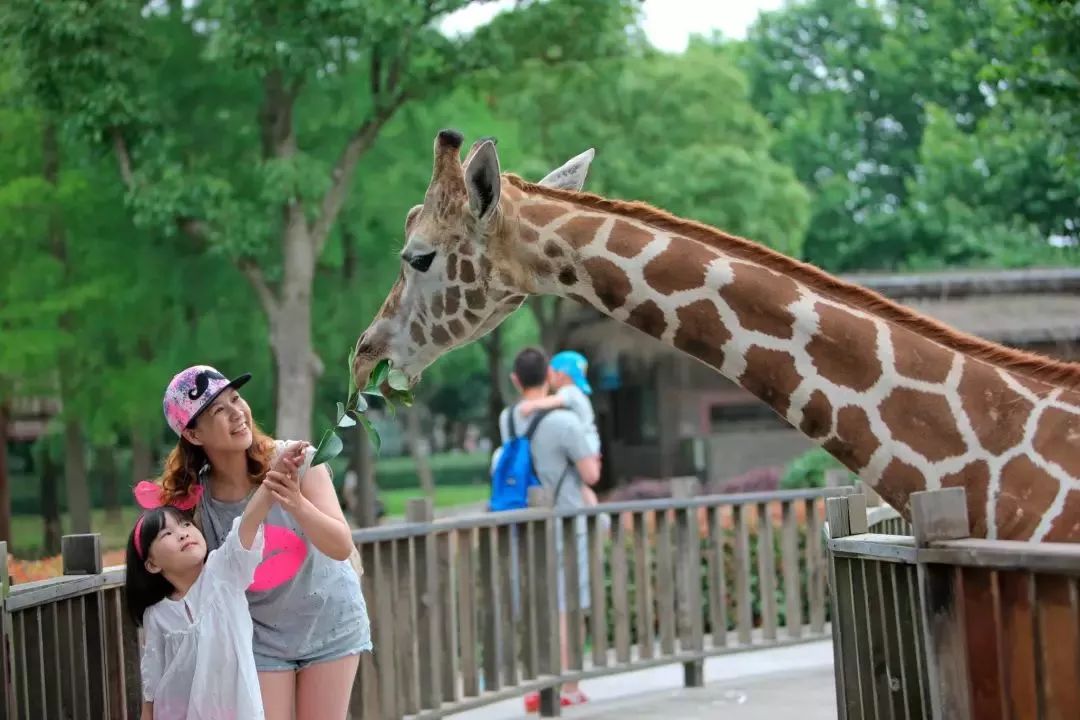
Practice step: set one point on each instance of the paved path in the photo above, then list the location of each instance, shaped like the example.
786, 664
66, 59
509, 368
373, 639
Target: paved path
776, 684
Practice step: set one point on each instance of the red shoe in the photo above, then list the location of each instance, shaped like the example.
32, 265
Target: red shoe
532, 702
574, 698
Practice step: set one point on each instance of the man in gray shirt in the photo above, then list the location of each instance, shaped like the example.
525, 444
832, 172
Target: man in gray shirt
564, 463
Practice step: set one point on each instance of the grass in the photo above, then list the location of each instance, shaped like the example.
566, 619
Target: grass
28, 530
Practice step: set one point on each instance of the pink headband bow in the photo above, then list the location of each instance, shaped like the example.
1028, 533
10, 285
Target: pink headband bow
148, 496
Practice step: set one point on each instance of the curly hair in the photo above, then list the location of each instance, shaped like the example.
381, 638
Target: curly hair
187, 459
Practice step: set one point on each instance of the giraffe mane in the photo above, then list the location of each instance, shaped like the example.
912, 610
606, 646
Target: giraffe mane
1032, 365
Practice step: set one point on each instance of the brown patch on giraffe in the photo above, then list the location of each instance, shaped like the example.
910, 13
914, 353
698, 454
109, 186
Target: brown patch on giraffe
416, 331
471, 317
510, 192
451, 267
567, 276
771, 376
835, 348
437, 306
681, 266
456, 328
1057, 439
924, 421
540, 266
506, 278
920, 359
453, 299
609, 281
439, 335
701, 333
760, 298
552, 249
628, 240
527, 234
1066, 526
817, 416
1025, 495
897, 482
975, 479
1040, 389
466, 248
649, 318
474, 298
485, 266
997, 412
581, 230
854, 441
468, 273
543, 213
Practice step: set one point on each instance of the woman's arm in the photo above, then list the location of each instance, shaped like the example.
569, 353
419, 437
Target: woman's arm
315, 506
254, 515
147, 711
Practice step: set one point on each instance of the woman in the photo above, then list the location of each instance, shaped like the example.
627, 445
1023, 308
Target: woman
310, 620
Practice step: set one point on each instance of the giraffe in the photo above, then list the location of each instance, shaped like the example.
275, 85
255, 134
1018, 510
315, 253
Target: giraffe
903, 401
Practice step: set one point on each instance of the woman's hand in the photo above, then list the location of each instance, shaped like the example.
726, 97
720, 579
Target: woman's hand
285, 487
291, 458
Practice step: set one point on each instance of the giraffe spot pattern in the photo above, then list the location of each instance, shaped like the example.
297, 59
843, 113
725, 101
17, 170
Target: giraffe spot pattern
474, 298
466, 248
817, 416
471, 318
567, 276
854, 442
1066, 526
581, 230
649, 318
437, 306
759, 298
456, 328
416, 331
468, 273
485, 266
543, 213
701, 332
439, 335
453, 299
628, 240
997, 412
831, 349
1025, 495
1057, 439
681, 266
552, 249
898, 481
920, 359
975, 479
527, 234
610, 282
1040, 389
451, 267
771, 376
924, 421
540, 267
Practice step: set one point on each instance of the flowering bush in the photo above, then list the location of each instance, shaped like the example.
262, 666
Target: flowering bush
24, 571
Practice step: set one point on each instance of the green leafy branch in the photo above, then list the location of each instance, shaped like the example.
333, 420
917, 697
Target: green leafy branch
354, 409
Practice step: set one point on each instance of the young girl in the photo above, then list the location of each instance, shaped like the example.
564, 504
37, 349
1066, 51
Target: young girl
197, 660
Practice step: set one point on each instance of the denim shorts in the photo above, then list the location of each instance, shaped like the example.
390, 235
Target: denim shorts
349, 645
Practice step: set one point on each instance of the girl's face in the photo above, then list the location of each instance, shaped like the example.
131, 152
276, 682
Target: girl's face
224, 426
177, 548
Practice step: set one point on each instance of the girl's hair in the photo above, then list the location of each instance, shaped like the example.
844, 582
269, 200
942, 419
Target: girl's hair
142, 587
186, 460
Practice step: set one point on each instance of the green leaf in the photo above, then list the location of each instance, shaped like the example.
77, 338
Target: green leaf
358, 403
378, 375
346, 421
352, 380
340, 411
373, 434
329, 448
397, 380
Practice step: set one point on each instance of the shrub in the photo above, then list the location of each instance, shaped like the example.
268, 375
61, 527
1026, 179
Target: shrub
808, 470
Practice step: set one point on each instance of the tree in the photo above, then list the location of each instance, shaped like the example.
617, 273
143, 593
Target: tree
245, 134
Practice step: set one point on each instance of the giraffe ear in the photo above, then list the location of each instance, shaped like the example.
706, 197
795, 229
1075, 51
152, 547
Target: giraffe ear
571, 176
483, 182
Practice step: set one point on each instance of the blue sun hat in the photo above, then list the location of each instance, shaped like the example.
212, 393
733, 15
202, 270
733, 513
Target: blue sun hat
575, 366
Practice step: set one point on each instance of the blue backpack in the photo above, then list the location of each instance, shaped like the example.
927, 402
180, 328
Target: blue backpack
514, 473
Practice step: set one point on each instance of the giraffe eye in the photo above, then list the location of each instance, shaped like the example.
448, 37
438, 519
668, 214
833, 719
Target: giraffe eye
421, 263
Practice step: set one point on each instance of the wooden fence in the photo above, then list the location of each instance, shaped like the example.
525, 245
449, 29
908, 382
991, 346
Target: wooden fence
465, 611
933, 624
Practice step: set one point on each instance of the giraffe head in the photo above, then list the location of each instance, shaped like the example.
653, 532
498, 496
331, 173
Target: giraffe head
463, 268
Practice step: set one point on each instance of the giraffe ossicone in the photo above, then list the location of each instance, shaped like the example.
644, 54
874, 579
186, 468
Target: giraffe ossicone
905, 402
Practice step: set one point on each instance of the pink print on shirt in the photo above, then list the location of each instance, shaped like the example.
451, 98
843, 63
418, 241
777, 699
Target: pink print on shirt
283, 554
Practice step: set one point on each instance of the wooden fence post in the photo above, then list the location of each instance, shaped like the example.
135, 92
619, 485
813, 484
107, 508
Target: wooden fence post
548, 641
688, 581
7, 689
81, 554
942, 515
846, 516
429, 615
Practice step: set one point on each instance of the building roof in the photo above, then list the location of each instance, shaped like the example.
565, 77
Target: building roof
1013, 307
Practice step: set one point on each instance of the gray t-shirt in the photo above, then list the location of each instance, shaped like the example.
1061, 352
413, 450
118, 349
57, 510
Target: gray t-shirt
303, 603
558, 444
579, 403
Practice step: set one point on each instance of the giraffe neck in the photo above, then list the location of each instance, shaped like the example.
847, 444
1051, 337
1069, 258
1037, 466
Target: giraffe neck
903, 412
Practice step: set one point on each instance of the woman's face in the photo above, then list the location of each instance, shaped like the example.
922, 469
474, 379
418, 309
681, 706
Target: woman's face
224, 426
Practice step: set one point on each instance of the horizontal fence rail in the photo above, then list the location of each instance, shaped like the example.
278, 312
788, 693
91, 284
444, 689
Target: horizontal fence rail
933, 624
467, 611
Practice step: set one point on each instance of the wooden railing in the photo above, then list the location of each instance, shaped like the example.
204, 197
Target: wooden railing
465, 611
938, 625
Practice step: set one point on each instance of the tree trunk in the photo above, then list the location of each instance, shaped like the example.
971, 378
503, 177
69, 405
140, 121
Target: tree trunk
5, 486
78, 495
362, 462
298, 366
50, 502
106, 474
493, 348
418, 448
142, 457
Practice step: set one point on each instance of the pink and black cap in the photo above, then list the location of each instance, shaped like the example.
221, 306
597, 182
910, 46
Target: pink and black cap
193, 390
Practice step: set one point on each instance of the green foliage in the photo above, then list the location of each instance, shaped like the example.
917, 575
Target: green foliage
808, 470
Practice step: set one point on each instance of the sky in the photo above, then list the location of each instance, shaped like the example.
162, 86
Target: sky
668, 23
